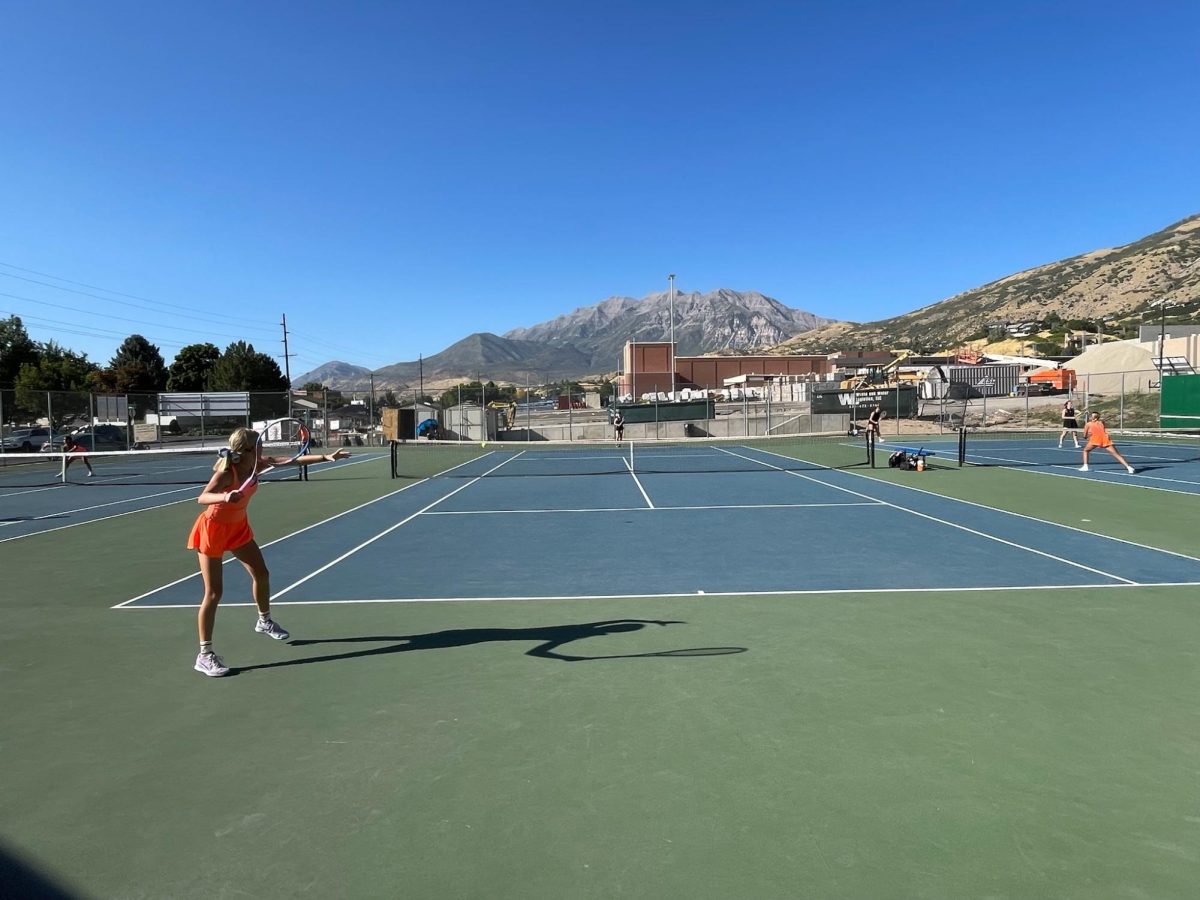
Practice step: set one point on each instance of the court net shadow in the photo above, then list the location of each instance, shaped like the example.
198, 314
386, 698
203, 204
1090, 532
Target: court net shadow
549, 639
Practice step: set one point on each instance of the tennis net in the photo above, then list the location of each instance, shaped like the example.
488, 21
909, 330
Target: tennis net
192, 465
459, 459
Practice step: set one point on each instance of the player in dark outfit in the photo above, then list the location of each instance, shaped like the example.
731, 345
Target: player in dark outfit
1070, 425
873, 422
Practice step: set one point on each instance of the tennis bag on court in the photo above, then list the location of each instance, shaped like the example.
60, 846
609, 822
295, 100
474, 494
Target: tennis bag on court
898, 460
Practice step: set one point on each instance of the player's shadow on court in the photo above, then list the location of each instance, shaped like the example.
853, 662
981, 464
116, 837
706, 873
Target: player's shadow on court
549, 639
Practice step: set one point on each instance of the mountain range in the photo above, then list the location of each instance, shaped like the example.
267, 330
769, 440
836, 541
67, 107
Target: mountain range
589, 341
1129, 283
1125, 283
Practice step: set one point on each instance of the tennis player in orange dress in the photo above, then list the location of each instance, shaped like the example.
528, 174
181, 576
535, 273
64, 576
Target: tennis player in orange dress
77, 452
1097, 437
225, 526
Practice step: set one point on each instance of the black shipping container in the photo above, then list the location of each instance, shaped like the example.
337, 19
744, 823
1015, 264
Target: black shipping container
994, 380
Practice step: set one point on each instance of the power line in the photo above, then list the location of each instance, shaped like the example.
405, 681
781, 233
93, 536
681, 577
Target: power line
338, 349
183, 309
93, 312
67, 328
162, 307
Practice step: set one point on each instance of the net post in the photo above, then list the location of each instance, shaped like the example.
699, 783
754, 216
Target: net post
870, 448
962, 445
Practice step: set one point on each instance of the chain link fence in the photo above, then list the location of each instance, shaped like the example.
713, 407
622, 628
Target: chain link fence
127, 421
31, 419
1125, 400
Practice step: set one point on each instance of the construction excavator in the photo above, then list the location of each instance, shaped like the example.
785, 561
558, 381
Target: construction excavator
509, 409
882, 376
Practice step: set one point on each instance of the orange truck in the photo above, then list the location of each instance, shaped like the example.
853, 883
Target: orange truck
1059, 380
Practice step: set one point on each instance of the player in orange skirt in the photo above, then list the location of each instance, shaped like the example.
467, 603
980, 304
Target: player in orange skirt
77, 452
1097, 438
225, 526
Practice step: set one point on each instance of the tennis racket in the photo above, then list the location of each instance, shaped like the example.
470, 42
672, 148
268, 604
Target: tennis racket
289, 437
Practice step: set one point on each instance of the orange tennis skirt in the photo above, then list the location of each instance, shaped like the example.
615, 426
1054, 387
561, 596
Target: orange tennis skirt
213, 538
222, 527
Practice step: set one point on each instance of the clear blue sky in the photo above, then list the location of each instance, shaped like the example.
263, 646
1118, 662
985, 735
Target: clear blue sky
395, 176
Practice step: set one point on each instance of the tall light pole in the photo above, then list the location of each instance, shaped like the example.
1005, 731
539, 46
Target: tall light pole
671, 280
371, 410
1162, 338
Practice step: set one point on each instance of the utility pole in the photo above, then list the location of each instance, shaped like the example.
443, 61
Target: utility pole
371, 408
671, 279
1162, 338
421, 363
287, 366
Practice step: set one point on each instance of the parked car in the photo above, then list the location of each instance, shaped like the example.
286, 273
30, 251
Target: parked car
99, 438
27, 440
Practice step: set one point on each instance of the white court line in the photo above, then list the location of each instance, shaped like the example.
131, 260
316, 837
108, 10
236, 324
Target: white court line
1008, 512
870, 501
196, 574
83, 509
58, 486
190, 489
692, 595
390, 529
1029, 468
130, 512
628, 509
955, 525
638, 482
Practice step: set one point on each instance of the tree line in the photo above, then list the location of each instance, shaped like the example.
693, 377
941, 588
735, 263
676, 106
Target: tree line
136, 367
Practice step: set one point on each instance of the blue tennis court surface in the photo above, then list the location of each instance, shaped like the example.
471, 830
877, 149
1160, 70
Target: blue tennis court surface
771, 529
1161, 460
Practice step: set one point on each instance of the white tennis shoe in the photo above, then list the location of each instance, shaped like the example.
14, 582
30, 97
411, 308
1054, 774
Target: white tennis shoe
210, 664
271, 629
1084, 468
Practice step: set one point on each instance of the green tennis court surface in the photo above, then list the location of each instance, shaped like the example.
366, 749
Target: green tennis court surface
992, 735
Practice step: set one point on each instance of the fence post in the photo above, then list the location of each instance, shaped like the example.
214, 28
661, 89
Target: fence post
1121, 417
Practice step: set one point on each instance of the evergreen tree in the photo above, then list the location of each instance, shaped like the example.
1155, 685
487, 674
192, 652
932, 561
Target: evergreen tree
60, 372
16, 350
192, 368
137, 366
242, 368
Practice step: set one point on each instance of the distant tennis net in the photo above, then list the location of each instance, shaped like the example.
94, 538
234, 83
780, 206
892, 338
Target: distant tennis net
455, 459
125, 467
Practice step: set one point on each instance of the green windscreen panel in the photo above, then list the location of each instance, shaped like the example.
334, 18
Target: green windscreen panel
679, 411
900, 402
1180, 401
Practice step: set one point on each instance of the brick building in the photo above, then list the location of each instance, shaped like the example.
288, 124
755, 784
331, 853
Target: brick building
647, 367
